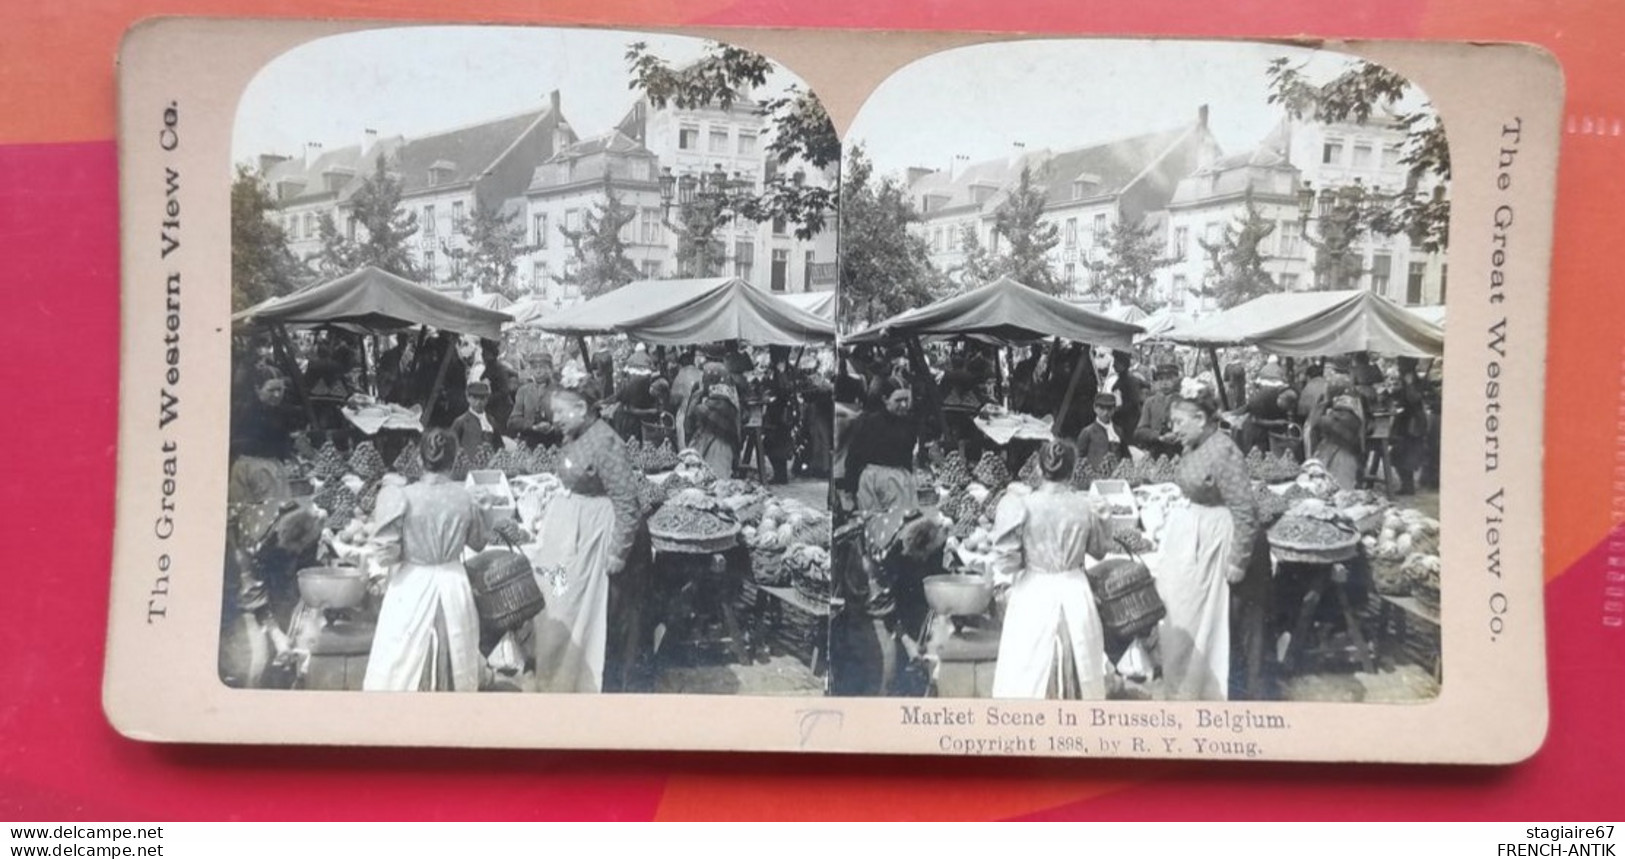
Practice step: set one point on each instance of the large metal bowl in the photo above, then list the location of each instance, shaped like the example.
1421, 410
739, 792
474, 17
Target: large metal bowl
332, 587
958, 595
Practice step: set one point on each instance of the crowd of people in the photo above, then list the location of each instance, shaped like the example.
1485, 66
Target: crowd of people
724, 401
1213, 568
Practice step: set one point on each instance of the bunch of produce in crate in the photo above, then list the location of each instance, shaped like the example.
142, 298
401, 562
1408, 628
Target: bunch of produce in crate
991, 472
808, 569
409, 464
1131, 539
542, 459
329, 464
1420, 573
952, 471
366, 462
510, 462
692, 521
652, 459
1272, 467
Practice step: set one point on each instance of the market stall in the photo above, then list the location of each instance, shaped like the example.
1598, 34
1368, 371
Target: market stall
710, 556
821, 304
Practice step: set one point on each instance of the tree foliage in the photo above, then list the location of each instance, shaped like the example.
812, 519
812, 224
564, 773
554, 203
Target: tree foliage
1131, 255
1422, 210
885, 269
599, 262
1236, 272
802, 131
1028, 238
261, 265
493, 243
376, 208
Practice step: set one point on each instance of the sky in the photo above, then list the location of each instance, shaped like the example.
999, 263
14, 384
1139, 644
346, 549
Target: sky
983, 100
418, 80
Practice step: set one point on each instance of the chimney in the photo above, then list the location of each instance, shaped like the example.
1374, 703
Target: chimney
553, 102
1201, 116
313, 151
369, 139
915, 174
268, 161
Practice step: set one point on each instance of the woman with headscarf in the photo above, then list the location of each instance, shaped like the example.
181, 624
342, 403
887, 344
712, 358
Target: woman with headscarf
713, 422
1206, 549
1052, 644
428, 634
1340, 440
596, 549
880, 460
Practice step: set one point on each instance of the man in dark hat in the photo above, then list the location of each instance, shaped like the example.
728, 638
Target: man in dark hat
1100, 439
475, 427
1155, 433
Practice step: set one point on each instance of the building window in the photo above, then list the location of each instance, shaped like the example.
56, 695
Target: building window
781, 270
310, 225
651, 269
806, 271
350, 228
572, 220
1391, 156
457, 215
1182, 241
540, 222
1289, 282
429, 265
1181, 286
1363, 155
651, 227
1211, 233
1071, 235
1382, 269
428, 222
1290, 245
688, 137
1413, 285
719, 140
541, 280
1331, 152
778, 226
747, 143
744, 260
1070, 275
1100, 225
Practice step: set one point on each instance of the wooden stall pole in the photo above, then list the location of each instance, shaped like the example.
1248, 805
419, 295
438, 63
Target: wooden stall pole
284, 351
922, 371
439, 380
1218, 378
1071, 392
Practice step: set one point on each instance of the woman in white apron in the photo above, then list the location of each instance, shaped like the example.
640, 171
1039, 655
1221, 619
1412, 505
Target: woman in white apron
589, 538
1052, 644
1205, 550
428, 636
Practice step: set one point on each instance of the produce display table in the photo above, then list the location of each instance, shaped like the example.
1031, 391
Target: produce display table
767, 607
1394, 620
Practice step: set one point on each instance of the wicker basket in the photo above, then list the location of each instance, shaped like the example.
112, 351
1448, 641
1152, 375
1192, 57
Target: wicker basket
1129, 603
1329, 553
506, 594
689, 544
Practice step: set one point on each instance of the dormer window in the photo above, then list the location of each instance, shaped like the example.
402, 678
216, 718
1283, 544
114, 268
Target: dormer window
441, 172
1084, 184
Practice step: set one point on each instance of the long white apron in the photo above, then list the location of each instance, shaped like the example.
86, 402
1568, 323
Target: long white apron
427, 620
1047, 612
571, 632
1195, 636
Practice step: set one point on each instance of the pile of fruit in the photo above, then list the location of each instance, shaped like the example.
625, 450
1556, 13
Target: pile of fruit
807, 567
1134, 472
952, 471
1271, 468
692, 470
366, 462
1272, 505
689, 522
786, 524
652, 459
338, 502
1131, 539
410, 462
1297, 530
1404, 533
991, 472
479, 457
329, 465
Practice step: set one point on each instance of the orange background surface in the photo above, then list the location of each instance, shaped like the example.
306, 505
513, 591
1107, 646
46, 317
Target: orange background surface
58, 223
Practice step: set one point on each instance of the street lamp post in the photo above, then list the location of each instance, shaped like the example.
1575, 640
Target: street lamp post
1345, 215
705, 202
